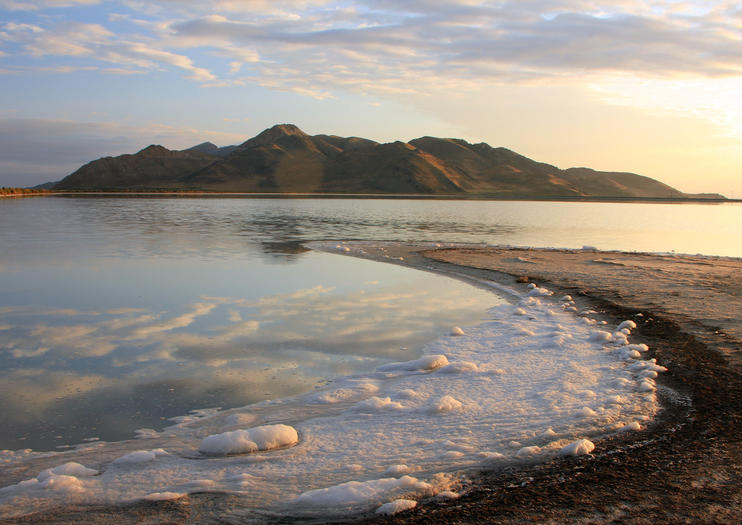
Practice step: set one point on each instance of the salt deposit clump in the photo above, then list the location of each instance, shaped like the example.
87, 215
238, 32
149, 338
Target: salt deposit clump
626, 324
527, 452
360, 492
398, 505
163, 496
266, 437
425, 363
577, 448
68, 469
351, 390
631, 427
586, 412
458, 367
446, 404
397, 470
376, 404
539, 292
457, 331
61, 483
601, 336
138, 456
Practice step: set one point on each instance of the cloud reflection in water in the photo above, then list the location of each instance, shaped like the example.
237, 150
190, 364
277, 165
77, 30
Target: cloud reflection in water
77, 374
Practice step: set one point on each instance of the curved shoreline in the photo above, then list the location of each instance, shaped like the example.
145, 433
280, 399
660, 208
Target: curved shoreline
684, 468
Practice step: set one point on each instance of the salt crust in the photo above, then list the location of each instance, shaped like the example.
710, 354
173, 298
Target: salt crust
243, 441
358, 492
139, 456
577, 448
398, 505
425, 363
163, 496
397, 470
487, 397
68, 469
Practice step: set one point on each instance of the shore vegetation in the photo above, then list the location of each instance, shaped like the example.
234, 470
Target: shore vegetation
21, 192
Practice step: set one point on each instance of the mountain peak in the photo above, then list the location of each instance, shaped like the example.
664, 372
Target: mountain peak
204, 147
275, 133
287, 129
153, 150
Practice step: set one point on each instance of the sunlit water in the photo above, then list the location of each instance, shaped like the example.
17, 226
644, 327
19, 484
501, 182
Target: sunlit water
119, 313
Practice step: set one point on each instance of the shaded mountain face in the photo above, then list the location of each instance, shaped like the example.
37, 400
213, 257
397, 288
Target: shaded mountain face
284, 159
154, 167
212, 149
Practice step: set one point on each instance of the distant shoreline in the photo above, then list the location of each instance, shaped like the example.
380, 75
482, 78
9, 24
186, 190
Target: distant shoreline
23, 192
405, 196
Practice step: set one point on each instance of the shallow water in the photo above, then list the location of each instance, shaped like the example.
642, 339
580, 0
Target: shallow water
119, 314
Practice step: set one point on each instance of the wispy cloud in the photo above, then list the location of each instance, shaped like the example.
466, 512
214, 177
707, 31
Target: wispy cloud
74, 39
38, 5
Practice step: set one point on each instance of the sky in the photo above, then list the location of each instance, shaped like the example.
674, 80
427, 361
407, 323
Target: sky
645, 86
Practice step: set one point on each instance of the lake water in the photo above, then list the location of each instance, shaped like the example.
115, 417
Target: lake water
119, 314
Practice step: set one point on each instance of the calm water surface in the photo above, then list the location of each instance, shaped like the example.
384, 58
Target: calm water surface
119, 313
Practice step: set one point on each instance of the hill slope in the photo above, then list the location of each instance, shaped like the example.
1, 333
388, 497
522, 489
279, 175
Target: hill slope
154, 167
284, 159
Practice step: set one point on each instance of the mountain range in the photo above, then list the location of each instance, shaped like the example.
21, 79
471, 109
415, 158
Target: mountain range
284, 159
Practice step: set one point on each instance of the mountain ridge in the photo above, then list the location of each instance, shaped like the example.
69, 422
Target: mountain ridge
285, 159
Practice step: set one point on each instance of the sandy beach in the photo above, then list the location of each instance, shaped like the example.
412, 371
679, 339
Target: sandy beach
683, 468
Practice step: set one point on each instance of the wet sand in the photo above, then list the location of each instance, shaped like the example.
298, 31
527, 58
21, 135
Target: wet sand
684, 468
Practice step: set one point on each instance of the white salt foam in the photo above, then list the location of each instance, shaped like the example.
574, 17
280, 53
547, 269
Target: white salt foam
577, 448
396, 506
243, 441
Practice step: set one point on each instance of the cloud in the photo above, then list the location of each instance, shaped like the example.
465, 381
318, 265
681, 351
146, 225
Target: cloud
38, 5
93, 41
315, 47
181, 61
393, 49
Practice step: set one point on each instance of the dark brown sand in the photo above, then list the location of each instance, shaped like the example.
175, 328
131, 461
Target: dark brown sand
685, 468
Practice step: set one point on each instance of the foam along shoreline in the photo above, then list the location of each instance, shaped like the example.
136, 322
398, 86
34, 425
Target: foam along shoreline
685, 467
538, 379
